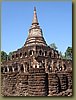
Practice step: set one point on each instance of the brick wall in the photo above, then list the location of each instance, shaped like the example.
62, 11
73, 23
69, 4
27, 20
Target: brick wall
35, 83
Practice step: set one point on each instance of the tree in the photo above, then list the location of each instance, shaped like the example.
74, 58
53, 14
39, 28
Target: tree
9, 55
53, 45
3, 56
68, 53
62, 55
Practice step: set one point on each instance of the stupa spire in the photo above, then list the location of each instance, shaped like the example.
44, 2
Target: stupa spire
35, 20
35, 35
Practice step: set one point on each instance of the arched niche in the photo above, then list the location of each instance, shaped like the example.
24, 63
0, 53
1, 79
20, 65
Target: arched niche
16, 55
22, 68
31, 52
15, 67
25, 54
10, 69
40, 52
54, 54
5, 69
12, 56
45, 53
20, 55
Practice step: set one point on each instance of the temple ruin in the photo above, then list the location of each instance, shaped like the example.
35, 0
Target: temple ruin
36, 69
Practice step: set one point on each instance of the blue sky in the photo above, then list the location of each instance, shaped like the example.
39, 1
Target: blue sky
55, 19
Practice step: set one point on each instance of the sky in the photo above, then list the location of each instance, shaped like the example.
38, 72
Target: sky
55, 20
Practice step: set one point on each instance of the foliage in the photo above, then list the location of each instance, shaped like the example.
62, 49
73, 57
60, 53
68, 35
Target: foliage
61, 55
68, 53
3, 56
9, 55
53, 45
